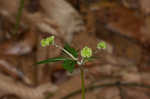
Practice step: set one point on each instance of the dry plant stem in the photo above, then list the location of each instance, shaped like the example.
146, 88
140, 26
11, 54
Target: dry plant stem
18, 17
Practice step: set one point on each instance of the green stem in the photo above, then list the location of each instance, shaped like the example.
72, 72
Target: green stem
18, 17
82, 83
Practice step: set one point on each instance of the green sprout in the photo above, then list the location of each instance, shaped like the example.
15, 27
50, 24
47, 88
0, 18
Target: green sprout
101, 45
72, 58
86, 52
47, 41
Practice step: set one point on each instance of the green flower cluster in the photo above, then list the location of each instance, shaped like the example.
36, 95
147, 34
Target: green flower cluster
101, 45
47, 41
86, 52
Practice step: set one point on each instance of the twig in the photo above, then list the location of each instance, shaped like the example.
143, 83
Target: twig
91, 88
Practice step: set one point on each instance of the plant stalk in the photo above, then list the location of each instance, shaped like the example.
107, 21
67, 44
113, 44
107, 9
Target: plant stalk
18, 17
82, 83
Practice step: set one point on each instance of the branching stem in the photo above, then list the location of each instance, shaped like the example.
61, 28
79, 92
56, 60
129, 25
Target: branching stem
66, 52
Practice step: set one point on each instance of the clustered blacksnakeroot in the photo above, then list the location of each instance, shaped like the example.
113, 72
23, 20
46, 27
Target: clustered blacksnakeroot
86, 52
69, 63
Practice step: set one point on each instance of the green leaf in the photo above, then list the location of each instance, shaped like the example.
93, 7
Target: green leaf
55, 59
71, 50
69, 65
